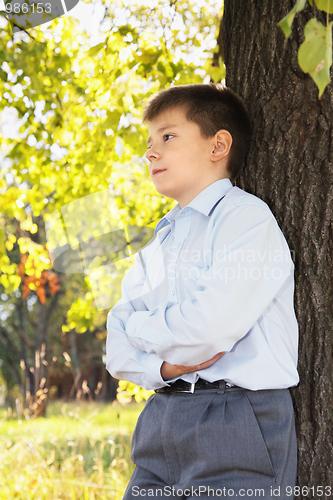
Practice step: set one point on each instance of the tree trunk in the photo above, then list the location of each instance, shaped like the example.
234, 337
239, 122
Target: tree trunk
290, 166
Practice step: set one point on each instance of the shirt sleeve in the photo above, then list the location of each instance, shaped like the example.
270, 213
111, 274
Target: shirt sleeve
123, 360
250, 264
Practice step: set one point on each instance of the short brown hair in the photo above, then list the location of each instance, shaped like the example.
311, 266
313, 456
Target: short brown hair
212, 107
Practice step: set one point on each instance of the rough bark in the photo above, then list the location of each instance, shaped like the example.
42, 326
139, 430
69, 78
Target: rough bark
290, 166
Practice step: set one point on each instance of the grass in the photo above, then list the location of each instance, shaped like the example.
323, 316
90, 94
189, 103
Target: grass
77, 452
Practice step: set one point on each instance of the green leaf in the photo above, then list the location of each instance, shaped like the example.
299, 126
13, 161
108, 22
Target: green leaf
315, 53
2, 242
326, 5
112, 120
3, 75
311, 3
125, 29
99, 167
166, 69
175, 68
95, 49
287, 21
217, 73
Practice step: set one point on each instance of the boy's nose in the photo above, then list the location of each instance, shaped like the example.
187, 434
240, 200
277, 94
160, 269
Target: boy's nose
152, 154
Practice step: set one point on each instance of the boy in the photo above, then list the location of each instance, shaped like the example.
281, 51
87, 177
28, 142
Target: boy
206, 317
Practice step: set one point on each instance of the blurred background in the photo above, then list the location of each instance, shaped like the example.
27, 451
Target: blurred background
76, 203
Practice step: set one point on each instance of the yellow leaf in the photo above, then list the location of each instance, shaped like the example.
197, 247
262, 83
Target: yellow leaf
26, 224
62, 136
9, 246
4, 280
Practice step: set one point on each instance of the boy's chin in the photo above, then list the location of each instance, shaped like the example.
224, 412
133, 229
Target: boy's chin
166, 193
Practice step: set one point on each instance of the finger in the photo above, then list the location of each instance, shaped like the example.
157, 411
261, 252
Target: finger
217, 356
209, 363
202, 366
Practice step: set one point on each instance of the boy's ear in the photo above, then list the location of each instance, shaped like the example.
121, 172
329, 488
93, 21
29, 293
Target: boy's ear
222, 142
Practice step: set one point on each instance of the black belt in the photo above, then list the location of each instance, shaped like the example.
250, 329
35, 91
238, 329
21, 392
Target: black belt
182, 386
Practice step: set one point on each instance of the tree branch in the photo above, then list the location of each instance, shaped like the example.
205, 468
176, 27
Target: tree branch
10, 365
10, 344
21, 333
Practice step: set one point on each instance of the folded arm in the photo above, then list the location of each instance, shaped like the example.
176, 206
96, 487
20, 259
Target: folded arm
134, 365
169, 371
231, 294
126, 362
123, 360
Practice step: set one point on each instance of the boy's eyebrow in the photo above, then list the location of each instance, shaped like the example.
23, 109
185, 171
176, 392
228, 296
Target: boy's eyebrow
161, 130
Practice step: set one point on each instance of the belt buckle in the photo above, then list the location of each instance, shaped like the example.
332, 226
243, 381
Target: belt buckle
190, 391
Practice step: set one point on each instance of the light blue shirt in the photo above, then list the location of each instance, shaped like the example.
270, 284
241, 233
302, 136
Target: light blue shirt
216, 277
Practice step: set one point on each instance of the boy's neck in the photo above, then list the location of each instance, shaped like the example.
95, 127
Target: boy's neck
188, 197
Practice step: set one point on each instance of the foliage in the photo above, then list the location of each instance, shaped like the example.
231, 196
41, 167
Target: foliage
127, 390
92, 101
315, 53
79, 107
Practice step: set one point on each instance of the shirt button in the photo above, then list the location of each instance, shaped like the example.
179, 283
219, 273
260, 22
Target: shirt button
173, 291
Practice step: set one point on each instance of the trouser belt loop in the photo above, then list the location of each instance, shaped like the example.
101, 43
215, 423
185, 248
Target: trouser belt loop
221, 388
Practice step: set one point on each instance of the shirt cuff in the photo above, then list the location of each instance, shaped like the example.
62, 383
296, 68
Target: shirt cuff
136, 322
153, 373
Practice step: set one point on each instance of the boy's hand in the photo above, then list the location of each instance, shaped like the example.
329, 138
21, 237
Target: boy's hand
169, 371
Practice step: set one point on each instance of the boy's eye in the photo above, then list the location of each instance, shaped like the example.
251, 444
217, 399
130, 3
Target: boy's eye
167, 135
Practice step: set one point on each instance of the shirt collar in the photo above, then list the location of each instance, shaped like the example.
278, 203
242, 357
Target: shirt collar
203, 202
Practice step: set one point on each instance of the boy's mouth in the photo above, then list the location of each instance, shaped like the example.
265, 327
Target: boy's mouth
157, 171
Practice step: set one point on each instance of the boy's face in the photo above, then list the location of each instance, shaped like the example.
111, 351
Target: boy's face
181, 161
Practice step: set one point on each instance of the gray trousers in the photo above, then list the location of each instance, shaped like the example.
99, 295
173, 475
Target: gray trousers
239, 443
